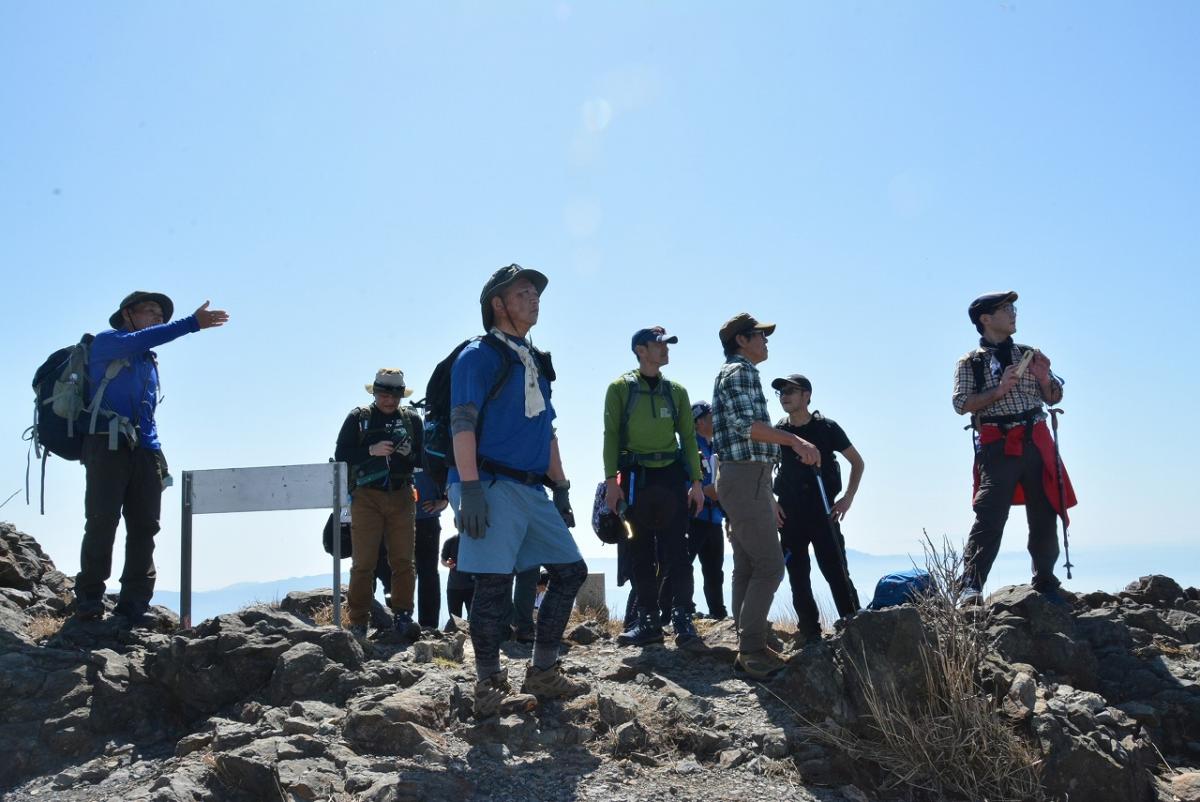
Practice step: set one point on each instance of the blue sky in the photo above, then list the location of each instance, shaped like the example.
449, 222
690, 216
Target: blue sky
343, 179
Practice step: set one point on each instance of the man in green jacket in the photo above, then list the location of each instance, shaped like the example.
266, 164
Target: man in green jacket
650, 459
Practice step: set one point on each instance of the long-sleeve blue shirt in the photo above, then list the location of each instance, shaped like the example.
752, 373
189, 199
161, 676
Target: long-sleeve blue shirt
133, 392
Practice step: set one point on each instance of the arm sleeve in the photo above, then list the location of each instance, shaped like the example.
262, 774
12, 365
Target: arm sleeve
735, 394
471, 376
348, 450
119, 344
837, 436
964, 384
614, 411
686, 427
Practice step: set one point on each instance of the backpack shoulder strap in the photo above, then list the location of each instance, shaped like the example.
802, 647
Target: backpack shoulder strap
364, 420
669, 386
506, 355
977, 370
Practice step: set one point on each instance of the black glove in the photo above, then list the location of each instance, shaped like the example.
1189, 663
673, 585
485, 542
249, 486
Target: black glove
472, 512
562, 502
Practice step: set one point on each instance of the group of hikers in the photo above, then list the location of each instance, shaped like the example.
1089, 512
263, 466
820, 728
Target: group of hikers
679, 479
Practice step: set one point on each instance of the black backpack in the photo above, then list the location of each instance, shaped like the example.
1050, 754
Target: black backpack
61, 413
438, 455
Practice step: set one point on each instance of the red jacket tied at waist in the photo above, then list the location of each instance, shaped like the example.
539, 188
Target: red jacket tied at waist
1014, 446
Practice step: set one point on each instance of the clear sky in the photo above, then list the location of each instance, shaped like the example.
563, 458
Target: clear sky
342, 178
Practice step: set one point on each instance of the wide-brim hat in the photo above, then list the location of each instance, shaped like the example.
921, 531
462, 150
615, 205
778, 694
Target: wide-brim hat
988, 303
499, 281
743, 323
389, 380
134, 298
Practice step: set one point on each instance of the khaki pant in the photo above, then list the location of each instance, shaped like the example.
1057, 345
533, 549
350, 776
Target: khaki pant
745, 492
374, 516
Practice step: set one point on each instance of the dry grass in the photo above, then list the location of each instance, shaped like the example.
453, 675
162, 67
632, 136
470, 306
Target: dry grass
949, 740
41, 627
323, 616
609, 620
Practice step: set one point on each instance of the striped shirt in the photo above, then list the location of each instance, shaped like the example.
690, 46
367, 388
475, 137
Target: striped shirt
1025, 395
738, 402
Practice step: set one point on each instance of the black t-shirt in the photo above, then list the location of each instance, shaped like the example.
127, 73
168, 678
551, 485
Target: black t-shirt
794, 476
457, 579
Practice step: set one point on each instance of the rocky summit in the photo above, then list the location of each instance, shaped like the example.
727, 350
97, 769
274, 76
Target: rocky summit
1097, 700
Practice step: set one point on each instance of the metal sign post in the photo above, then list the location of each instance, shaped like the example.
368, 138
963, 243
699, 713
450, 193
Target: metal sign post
283, 487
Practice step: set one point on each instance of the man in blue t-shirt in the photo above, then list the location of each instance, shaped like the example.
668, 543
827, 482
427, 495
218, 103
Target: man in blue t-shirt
126, 471
505, 451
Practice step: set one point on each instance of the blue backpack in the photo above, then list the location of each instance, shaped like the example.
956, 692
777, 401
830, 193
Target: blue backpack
901, 587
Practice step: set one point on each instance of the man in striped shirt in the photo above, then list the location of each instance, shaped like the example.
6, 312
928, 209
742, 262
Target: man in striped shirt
747, 447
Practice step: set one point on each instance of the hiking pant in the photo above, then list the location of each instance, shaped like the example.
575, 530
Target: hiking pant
805, 522
998, 478
520, 608
375, 516
745, 491
659, 551
705, 540
458, 601
493, 599
122, 482
429, 581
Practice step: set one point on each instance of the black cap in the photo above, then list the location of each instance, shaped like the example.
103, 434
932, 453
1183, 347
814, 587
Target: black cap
501, 279
989, 303
136, 297
796, 379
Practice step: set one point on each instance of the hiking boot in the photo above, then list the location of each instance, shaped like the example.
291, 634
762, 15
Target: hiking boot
359, 631
495, 695
804, 639
645, 630
552, 683
404, 625
686, 636
761, 665
89, 613
1054, 596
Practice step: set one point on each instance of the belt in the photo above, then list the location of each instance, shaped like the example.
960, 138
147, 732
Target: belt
524, 477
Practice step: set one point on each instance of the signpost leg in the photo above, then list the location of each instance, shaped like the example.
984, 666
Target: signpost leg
338, 484
185, 558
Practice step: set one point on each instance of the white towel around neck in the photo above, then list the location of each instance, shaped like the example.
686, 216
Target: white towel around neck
535, 403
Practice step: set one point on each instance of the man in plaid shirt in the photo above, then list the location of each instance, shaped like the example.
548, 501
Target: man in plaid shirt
1014, 460
747, 447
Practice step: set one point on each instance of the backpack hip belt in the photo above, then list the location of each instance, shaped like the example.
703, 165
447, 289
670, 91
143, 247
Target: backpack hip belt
524, 477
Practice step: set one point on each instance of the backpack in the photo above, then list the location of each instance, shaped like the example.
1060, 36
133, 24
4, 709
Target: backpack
61, 413
608, 527
901, 587
438, 456
666, 389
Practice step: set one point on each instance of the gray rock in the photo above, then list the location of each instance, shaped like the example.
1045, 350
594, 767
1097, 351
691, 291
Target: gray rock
451, 648
303, 672
616, 707
584, 633
1156, 590
1185, 787
629, 736
395, 724
732, 758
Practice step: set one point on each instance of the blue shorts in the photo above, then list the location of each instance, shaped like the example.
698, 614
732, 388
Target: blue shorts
524, 531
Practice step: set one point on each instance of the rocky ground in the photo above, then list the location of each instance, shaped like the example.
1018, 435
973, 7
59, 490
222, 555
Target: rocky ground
265, 705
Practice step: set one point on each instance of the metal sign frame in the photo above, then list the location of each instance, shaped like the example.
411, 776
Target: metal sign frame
282, 487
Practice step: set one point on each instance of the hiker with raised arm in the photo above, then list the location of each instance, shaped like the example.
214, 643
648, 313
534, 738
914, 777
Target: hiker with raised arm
652, 465
125, 467
506, 456
802, 492
382, 445
748, 447
1005, 387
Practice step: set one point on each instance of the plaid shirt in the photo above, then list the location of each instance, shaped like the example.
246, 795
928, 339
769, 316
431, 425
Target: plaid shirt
1025, 395
738, 401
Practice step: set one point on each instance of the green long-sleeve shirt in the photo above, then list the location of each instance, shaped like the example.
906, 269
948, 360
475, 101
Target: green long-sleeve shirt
650, 428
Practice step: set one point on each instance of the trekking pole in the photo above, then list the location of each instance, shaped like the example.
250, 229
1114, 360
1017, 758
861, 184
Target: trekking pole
1062, 497
836, 541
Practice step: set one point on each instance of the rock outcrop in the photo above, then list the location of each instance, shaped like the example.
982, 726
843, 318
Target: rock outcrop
263, 704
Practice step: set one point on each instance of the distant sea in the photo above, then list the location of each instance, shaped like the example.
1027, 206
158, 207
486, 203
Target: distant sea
1108, 569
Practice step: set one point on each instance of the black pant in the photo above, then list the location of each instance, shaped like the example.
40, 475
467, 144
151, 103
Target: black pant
705, 540
659, 518
124, 482
458, 600
998, 478
805, 523
429, 582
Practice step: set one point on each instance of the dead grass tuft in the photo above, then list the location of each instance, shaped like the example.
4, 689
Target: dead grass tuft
41, 627
949, 740
323, 616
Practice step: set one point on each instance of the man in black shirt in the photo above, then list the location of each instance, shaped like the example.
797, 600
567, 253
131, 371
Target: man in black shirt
803, 510
382, 445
